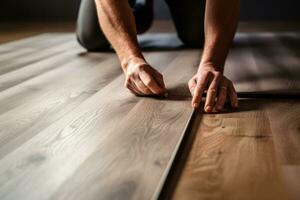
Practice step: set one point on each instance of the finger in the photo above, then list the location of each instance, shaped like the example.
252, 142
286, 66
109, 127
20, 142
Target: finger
199, 89
212, 93
160, 80
221, 96
134, 88
131, 87
151, 83
142, 87
233, 97
192, 85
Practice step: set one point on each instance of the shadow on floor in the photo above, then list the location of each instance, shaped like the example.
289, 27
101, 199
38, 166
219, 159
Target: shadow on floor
277, 55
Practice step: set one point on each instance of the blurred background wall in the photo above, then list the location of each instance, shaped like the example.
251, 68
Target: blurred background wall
66, 10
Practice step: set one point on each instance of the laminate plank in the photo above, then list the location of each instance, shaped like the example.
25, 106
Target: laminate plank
261, 62
252, 153
35, 69
26, 119
10, 54
23, 43
70, 136
37, 87
278, 67
285, 125
20, 94
85, 130
232, 159
38, 42
161, 41
133, 162
240, 64
45, 107
17, 63
37, 55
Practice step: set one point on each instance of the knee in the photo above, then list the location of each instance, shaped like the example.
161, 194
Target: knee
192, 38
143, 14
143, 25
91, 41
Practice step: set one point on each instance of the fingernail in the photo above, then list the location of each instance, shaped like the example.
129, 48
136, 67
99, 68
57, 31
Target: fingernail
195, 105
208, 108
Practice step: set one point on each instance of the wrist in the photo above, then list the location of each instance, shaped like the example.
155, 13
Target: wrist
211, 65
126, 62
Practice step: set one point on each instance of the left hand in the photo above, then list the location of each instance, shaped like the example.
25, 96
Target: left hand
218, 89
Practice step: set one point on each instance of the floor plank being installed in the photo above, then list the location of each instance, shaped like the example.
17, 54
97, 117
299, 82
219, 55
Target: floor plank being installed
69, 129
253, 153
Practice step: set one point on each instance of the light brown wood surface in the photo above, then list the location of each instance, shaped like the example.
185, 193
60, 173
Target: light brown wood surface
69, 129
242, 155
253, 153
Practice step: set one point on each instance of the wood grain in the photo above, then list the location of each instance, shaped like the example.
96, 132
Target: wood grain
70, 110
69, 129
285, 125
233, 157
253, 153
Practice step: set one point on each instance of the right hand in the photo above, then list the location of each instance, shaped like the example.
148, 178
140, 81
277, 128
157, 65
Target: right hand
142, 79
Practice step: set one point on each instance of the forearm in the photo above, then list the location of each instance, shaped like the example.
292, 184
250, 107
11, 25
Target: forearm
117, 22
221, 19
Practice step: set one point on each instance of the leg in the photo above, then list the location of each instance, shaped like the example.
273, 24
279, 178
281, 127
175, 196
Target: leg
188, 16
143, 14
89, 33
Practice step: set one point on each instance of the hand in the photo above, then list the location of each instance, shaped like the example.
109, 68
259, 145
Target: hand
218, 87
142, 79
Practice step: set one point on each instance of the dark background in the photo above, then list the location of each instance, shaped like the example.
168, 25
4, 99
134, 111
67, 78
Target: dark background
66, 10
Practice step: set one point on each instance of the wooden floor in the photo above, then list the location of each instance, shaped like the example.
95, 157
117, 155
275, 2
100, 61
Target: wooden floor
69, 129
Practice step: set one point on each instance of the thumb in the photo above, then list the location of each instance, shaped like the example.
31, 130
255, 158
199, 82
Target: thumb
192, 85
160, 80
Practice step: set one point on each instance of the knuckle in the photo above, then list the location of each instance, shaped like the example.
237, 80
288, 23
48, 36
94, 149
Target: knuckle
159, 75
158, 92
200, 86
212, 91
218, 73
127, 82
148, 82
206, 73
142, 67
127, 85
147, 91
218, 76
130, 75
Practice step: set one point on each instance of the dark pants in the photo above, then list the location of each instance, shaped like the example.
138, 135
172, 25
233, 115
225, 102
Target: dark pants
188, 17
